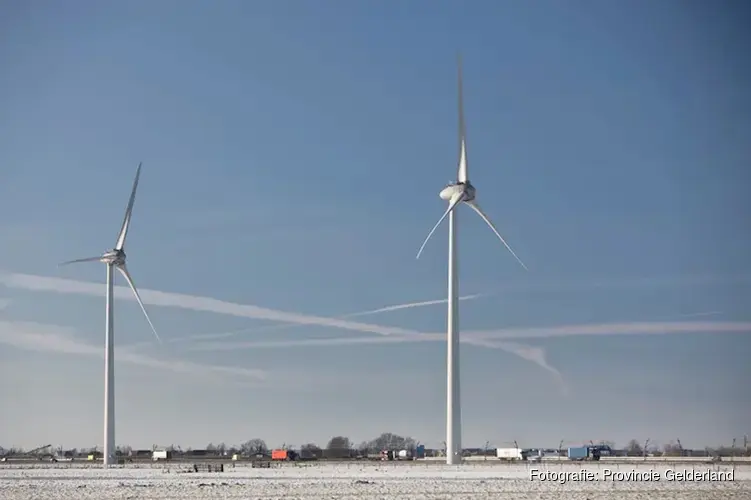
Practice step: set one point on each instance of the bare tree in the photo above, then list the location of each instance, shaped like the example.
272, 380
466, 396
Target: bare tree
672, 450
363, 449
254, 446
389, 441
634, 449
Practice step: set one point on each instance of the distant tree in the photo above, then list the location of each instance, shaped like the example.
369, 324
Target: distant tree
634, 449
312, 447
363, 448
672, 450
338, 443
311, 451
254, 447
389, 441
338, 447
221, 448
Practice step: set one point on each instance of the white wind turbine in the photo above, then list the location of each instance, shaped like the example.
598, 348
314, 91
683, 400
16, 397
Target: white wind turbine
115, 259
461, 191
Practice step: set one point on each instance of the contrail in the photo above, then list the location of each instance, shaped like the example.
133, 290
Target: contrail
285, 326
699, 314
411, 305
482, 337
643, 328
192, 302
197, 303
53, 338
534, 354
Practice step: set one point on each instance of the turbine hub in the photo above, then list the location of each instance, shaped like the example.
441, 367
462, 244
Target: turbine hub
458, 187
113, 257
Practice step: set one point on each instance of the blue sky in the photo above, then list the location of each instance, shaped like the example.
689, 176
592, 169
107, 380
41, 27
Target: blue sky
293, 154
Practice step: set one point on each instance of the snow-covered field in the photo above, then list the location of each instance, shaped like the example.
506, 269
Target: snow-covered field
366, 481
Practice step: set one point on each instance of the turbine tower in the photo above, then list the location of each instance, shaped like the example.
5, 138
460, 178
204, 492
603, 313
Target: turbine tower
461, 191
115, 259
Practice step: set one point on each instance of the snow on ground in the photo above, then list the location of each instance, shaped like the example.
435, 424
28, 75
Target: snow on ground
363, 481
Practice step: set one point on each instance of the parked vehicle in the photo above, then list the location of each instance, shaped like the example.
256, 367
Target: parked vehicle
161, 455
510, 454
283, 455
593, 453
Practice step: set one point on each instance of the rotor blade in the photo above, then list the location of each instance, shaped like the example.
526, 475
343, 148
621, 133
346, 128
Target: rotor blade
126, 221
462, 173
87, 259
455, 200
124, 271
479, 211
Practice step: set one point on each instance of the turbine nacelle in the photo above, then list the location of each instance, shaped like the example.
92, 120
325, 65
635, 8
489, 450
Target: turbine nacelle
116, 256
113, 257
456, 188
462, 191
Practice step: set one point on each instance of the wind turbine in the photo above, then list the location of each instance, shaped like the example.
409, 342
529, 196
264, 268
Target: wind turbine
115, 259
461, 191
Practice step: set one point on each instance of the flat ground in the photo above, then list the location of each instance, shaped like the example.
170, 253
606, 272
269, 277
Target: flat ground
363, 481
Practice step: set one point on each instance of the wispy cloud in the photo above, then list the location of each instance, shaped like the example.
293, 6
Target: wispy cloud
59, 339
208, 304
4, 303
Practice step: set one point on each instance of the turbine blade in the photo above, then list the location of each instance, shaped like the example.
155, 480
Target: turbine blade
479, 211
124, 271
126, 221
455, 200
462, 173
87, 259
